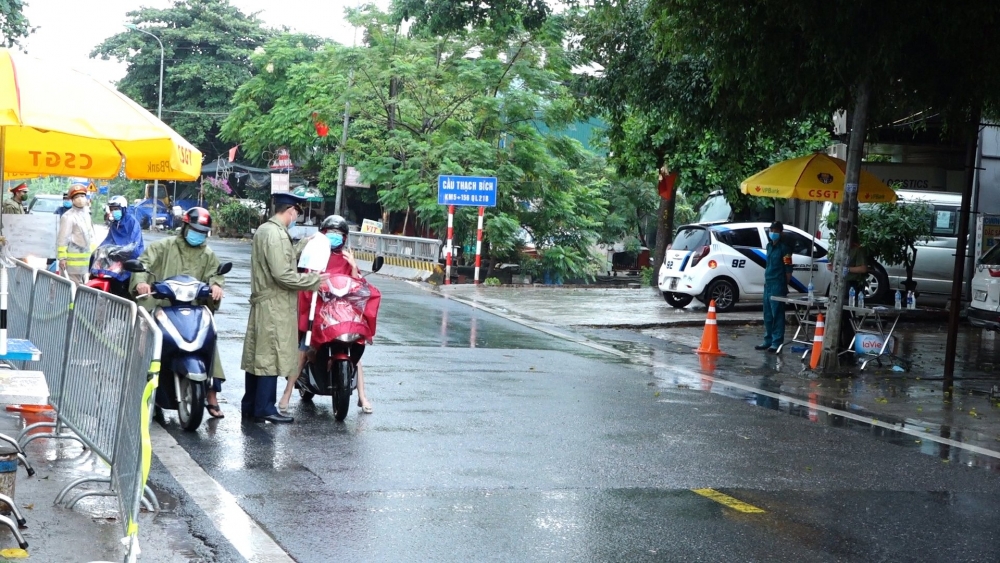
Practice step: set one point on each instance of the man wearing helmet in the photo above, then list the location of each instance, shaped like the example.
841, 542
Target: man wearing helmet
341, 261
123, 231
15, 205
186, 254
75, 240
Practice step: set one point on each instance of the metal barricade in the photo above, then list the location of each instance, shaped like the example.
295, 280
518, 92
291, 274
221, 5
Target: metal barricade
407, 252
22, 285
51, 314
133, 450
97, 359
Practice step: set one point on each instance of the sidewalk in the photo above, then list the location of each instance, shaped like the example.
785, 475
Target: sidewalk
639, 322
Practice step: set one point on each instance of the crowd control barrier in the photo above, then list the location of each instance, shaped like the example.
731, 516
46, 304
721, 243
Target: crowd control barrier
100, 358
406, 257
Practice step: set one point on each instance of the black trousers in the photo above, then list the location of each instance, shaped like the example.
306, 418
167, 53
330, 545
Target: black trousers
260, 396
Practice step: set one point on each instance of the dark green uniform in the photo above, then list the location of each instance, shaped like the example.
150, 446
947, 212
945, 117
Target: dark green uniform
779, 265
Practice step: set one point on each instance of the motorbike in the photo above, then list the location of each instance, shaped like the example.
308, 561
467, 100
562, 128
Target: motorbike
106, 267
189, 340
344, 323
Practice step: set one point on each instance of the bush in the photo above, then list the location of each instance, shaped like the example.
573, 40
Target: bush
647, 276
236, 219
492, 282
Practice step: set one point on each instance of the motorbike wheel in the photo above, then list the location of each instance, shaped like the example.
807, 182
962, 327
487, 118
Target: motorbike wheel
341, 403
342, 389
191, 406
305, 395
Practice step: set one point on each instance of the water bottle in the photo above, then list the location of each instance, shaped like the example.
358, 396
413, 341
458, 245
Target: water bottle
899, 301
861, 299
811, 289
850, 298
911, 301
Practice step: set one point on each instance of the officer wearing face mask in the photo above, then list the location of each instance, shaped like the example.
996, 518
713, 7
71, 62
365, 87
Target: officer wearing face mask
777, 275
75, 240
186, 254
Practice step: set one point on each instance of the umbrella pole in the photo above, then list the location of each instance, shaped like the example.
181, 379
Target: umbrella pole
3, 163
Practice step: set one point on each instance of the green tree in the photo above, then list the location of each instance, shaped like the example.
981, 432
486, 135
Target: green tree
444, 17
13, 25
454, 104
881, 61
207, 46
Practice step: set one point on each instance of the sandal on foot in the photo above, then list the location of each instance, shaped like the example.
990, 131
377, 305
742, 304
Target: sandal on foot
367, 409
215, 411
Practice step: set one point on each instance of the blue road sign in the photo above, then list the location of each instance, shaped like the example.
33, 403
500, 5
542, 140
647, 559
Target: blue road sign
473, 191
103, 190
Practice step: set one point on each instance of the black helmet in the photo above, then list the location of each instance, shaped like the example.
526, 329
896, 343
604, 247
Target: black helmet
199, 219
334, 223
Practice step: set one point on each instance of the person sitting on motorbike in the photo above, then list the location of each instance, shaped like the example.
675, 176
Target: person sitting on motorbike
123, 231
335, 229
186, 254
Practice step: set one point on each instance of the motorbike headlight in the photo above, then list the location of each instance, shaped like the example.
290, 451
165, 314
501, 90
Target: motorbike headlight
184, 292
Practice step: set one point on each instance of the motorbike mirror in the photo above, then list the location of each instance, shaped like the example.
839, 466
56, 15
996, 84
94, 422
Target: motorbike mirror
378, 263
134, 266
225, 268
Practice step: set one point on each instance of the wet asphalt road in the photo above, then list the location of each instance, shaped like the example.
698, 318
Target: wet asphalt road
494, 442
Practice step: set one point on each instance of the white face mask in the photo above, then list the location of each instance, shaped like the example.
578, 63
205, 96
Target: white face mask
80, 201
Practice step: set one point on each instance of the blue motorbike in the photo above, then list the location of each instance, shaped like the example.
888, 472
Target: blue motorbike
189, 340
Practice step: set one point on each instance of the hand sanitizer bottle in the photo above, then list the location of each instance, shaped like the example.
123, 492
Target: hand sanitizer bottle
850, 298
911, 301
899, 301
861, 299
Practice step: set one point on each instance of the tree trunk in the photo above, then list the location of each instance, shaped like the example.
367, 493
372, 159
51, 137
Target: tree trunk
848, 211
955, 305
664, 233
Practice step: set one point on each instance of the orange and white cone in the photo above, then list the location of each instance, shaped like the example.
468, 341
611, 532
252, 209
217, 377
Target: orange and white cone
710, 337
817, 342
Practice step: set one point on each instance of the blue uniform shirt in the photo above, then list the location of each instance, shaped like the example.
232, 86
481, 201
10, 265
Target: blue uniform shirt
779, 263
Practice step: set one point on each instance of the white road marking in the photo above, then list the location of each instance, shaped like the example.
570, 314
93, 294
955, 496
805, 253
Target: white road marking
233, 523
830, 410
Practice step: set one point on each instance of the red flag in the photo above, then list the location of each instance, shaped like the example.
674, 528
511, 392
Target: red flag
232, 153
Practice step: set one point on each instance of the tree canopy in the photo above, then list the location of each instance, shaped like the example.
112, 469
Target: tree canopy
13, 25
207, 46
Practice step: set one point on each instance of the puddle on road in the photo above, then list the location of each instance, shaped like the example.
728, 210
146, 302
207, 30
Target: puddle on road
656, 353
182, 542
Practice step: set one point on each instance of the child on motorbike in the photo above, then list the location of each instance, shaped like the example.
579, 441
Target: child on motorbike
342, 262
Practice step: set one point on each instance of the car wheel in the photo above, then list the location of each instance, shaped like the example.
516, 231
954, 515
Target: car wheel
678, 300
724, 293
877, 289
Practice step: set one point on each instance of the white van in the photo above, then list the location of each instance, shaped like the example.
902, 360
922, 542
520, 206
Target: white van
935, 264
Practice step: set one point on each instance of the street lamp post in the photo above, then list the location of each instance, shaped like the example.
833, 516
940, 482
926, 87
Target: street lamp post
159, 115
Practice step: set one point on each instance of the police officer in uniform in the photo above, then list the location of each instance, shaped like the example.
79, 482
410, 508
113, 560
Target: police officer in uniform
15, 205
777, 274
270, 348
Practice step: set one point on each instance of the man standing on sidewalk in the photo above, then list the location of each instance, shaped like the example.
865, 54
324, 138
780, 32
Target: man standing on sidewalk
75, 240
15, 205
271, 346
777, 274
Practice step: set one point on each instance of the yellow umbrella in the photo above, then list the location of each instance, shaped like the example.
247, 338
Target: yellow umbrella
60, 122
815, 177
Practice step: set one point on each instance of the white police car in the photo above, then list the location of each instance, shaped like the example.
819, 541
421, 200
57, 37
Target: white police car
726, 263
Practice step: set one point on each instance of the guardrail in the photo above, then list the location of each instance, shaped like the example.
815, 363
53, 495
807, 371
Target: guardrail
404, 252
100, 359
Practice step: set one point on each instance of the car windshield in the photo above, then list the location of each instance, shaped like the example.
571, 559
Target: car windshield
992, 257
690, 238
46, 205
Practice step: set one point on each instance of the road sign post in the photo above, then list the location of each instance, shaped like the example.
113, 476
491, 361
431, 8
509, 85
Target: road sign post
467, 191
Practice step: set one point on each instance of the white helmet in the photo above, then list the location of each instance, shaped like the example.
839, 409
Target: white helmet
119, 201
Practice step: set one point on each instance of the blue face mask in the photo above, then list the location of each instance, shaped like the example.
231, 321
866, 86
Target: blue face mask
775, 236
67, 203
336, 239
194, 238
116, 214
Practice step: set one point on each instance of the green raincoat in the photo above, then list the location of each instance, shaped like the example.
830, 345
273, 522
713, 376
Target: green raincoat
271, 344
173, 257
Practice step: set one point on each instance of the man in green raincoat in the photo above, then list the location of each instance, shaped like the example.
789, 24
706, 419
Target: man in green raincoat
185, 254
270, 348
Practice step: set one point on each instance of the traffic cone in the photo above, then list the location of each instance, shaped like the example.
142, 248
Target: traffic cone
817, 343
710, 337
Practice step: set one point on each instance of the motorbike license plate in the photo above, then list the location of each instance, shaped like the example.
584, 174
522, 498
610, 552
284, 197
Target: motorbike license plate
673, 283
980, 295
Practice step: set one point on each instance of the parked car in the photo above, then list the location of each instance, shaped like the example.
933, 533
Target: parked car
984, 309
45, 203
726, 263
